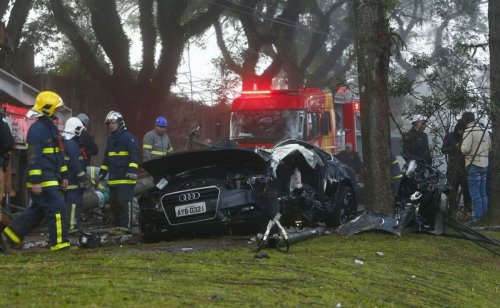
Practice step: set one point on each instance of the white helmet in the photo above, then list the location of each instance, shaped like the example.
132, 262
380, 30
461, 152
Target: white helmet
73, 127
84, 118
417, 117
115, 116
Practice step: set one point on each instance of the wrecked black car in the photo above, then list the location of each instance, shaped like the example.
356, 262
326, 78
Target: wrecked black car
241, 190
421, 203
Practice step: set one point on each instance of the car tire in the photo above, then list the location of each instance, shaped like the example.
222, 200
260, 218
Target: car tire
344, 202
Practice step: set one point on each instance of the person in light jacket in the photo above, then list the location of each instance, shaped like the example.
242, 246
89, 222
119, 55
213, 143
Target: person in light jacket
475, 146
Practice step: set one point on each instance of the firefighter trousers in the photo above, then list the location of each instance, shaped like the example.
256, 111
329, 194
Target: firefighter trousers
121, 198
49, 205
74, 204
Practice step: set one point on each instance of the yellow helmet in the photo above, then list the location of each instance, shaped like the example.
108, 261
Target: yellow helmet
47, 102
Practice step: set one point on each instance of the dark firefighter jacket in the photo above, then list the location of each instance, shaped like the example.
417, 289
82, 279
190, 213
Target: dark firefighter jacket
120, 158
46, 165
75, 163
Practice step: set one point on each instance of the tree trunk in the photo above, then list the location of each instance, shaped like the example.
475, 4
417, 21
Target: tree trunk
372, 49
493, 216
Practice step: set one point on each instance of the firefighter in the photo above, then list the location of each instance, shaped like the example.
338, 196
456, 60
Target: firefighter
47, 177
88, 146
120, 161
77, 179
156, 142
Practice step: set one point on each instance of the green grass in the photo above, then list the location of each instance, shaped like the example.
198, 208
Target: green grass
415, 270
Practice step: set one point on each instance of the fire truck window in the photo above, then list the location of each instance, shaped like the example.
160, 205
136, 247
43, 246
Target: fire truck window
312, 124
358, 121
265, 125
338, 120
326, 126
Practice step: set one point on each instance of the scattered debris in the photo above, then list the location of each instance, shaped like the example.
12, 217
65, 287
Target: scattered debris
261, 256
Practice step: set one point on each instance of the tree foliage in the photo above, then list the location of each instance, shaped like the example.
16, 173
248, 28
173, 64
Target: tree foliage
164, 28
293, 37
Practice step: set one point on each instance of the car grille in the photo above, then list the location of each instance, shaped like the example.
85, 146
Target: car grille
207, 195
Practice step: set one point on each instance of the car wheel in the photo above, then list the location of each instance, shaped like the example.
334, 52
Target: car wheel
344, 202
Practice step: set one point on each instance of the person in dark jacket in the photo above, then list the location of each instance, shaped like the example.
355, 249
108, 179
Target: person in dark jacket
77, 179
352, 159
47, 177
120, 163
455, 172
416, 142
88, 146
6, 146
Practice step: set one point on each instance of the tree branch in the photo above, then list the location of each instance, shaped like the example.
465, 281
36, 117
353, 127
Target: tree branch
231, 64
109, 32
205, 20
148, 33
4, 4
87, 56
319, 37
17, 19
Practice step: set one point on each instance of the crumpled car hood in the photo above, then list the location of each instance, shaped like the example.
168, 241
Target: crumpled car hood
175, 163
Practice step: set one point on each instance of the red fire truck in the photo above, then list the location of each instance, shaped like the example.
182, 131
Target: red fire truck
263, 118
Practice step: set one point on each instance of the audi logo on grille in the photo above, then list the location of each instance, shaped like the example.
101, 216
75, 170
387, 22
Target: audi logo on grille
189, 196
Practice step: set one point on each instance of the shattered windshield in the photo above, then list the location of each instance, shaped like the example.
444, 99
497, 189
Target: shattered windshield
266, 125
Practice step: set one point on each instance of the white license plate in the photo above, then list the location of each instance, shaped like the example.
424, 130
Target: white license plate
190, 209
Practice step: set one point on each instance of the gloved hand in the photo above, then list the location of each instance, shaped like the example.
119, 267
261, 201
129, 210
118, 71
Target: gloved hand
102, 176
131, 176
85, 184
